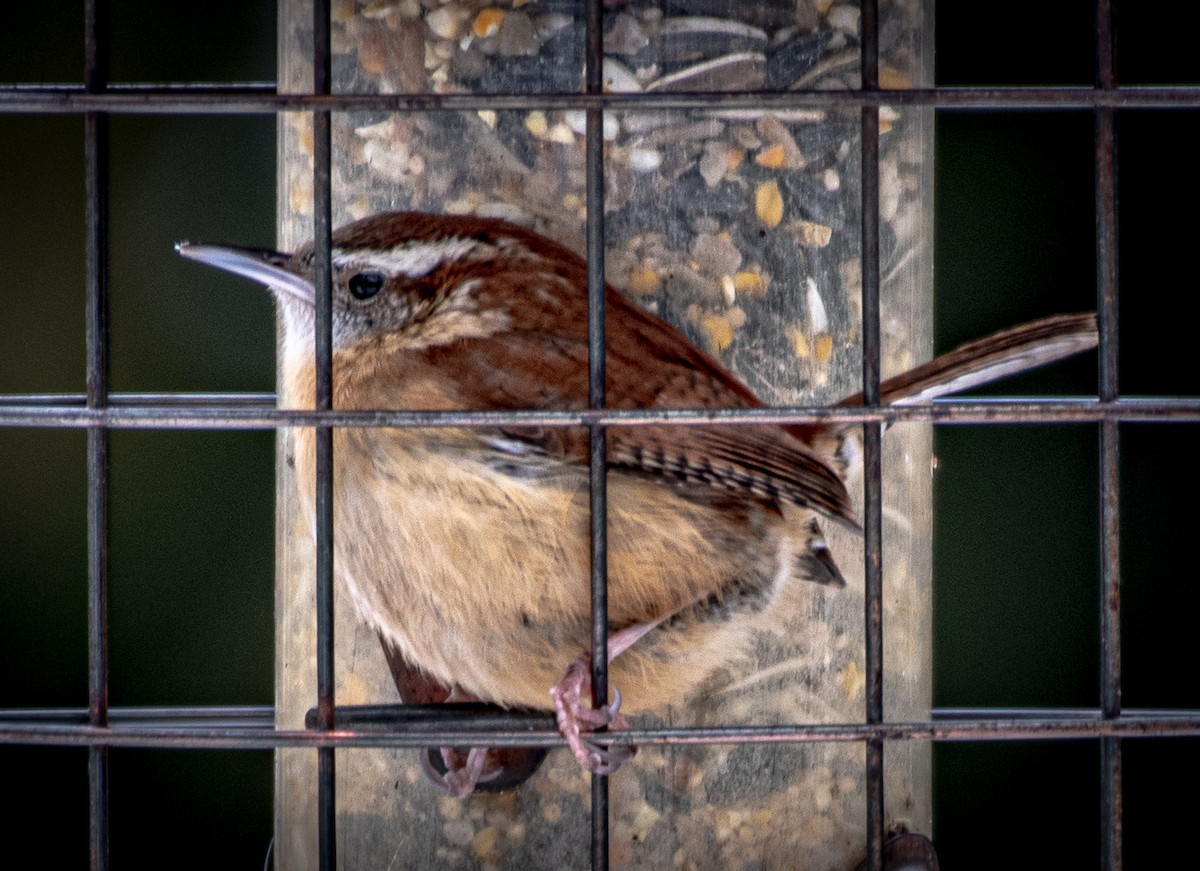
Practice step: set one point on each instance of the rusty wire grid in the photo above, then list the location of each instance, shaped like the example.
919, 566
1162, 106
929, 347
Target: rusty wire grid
99, 411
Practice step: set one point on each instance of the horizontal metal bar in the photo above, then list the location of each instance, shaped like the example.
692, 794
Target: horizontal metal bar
263, 716
169, 400
153, 87
262, 98
258, 414
218, 716
1048, 725
469, 716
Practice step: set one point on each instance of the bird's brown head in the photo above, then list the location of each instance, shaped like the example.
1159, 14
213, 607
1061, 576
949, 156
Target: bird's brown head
401, 280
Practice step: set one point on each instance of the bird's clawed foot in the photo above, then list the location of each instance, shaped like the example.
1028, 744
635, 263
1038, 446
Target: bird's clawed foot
458, 773
461, 771
576, 719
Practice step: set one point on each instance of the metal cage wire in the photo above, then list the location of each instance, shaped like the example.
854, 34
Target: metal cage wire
99, 411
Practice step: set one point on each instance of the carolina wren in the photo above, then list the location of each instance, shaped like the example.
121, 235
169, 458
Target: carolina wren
467, 549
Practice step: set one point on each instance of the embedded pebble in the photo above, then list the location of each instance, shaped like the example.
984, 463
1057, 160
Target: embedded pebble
750, 283
536, 123
774, 132
728, 290
771, 157
714, 163
487, 22
823, 348
715, 254
686, 283
809, 233
561, 133
576, 120
799, 342
768, 204
643, 281
390, 161
446, 22
626, 36
744, 136
719, 330
817, 318
892, 79
644, 159
517, 36
617, 77
549, 24
843, 18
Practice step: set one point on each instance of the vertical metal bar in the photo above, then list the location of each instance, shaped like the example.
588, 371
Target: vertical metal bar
598, 454
1111, 801
96, 332
322, 228
872, 436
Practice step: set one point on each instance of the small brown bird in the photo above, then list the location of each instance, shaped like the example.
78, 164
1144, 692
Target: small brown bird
467, 549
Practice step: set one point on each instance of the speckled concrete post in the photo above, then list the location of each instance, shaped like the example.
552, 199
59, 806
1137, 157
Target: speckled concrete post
742, 227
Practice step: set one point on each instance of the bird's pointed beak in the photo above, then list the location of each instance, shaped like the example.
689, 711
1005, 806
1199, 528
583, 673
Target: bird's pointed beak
269, 267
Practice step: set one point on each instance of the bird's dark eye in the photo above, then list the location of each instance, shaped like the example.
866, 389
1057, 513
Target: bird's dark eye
364, 285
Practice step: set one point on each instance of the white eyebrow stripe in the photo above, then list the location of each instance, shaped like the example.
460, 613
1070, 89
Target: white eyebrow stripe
412, 259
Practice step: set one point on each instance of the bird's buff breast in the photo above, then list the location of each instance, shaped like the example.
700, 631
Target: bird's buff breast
483, 580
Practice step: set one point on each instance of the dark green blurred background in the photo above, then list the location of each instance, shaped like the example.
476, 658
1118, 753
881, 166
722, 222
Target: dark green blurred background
1016, 538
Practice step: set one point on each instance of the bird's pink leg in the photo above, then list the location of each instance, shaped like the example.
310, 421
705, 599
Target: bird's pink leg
576, 716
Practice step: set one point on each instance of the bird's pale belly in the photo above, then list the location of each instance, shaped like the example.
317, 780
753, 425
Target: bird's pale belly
482, 578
